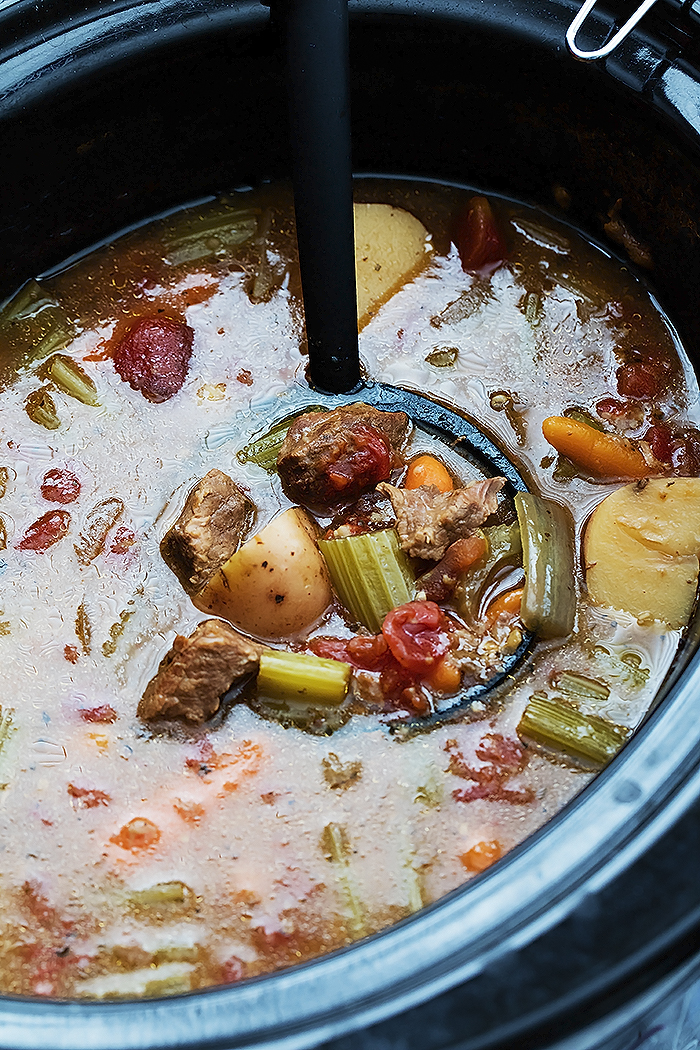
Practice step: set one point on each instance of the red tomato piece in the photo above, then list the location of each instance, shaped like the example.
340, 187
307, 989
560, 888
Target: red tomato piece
154, 356
103, 713
368, 653
645, 379
45, 531
124, 540
417, 635
479, 241
365, 462
60, 486
88, 798
660, 439
71, 654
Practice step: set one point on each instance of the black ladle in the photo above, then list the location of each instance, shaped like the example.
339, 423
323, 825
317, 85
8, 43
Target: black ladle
318, 74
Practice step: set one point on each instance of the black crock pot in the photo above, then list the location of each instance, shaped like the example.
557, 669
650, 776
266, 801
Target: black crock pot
112, 112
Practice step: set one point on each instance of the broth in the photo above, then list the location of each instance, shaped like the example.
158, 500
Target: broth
143, 859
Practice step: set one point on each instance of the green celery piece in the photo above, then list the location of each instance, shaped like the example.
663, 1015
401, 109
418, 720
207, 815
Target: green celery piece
71, 378
263, 451
370, 573
33, 324
560, 726
7, 729
162, 893
549, 599
302, 678
202, 233
579, 687
336, 846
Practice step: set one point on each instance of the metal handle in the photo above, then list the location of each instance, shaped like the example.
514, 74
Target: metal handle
611, 44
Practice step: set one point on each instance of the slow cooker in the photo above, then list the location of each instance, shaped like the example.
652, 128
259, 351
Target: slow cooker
115, 111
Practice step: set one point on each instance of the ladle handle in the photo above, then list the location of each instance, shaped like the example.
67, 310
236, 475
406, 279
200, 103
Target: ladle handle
318, 74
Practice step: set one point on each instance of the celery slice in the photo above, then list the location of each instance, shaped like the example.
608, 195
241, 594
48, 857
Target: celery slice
579, 687
336, 846
549, 599
370, 573
210, 231
69, 377
32, 325
302, 678
562, 727
263, 451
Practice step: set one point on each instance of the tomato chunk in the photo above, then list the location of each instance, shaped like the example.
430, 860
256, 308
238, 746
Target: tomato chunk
365, 461
154, 356
417, 635
45, 531
479, 241
60, 486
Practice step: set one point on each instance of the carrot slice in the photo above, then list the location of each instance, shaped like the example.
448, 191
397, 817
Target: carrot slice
427, 470
447, 677
509, 603
601, 455
481, 856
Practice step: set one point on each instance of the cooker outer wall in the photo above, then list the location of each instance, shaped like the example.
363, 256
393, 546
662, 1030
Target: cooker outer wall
108, 120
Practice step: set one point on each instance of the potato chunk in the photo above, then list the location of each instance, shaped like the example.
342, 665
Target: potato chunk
641, 549
390, 249
276, 584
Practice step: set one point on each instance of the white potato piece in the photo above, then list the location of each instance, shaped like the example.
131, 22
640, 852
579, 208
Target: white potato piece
277, 583
391, 246
641, 549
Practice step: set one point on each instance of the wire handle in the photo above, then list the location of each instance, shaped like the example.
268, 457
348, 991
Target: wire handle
616, 39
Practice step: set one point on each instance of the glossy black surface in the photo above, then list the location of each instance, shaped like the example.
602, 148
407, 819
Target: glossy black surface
112, 113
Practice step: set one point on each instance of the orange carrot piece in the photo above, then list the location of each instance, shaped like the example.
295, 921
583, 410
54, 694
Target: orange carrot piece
508, 602
481, 856
447, 677
427, 470
601, 455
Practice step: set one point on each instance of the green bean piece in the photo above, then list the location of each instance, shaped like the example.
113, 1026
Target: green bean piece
370, 574
559, 725
32, 325
83, 628
211, 231
336, 845
69, 377
263, 451
583, 416
41, 409
549, 599
302, 678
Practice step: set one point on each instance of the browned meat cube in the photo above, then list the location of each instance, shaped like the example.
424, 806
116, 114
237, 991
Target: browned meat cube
428, 520
198, 670
333, 457
210, 529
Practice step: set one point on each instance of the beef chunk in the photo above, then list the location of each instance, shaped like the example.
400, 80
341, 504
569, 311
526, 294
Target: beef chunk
210, 529
333, 457
428, 520
197, 672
